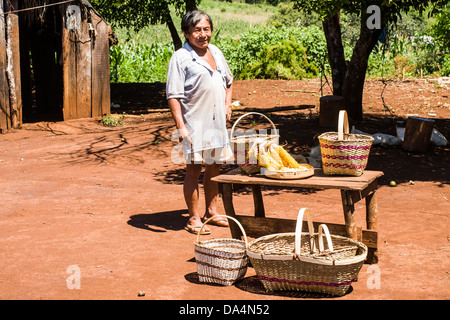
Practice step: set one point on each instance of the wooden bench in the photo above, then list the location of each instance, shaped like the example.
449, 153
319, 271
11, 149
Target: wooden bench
352, 189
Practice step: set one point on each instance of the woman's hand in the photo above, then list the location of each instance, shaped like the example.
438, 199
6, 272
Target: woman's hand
185, 136
228, 98
228, 112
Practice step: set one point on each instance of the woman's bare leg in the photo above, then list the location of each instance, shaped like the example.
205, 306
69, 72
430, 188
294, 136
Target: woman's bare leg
212, 192
191, 193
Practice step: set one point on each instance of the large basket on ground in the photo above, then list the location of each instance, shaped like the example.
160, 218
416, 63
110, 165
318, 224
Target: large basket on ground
344, 153
221, 261
243, 142
298, 261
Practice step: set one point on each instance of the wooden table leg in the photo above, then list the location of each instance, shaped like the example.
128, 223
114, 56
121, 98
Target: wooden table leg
349, 209
371, 212
227, 199
372, 222
258, 201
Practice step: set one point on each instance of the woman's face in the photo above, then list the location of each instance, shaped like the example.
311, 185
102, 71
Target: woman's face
200, 35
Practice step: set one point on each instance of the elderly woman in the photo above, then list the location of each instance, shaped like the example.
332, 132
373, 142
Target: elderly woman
198, 90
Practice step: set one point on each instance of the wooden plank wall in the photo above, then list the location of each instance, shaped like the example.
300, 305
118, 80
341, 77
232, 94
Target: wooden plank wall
86, 70
101, 88
83, 63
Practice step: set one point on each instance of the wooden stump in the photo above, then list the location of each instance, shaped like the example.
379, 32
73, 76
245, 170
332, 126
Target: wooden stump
417, 134
329, 110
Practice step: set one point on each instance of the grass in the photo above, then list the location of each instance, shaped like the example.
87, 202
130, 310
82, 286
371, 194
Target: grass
230, 19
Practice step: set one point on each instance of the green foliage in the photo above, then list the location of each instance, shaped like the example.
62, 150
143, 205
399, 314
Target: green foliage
286, 60
287, 16
392, 9
441, 29
446, 65
249, 49
134, 62
137, 14
112, 120
247, 33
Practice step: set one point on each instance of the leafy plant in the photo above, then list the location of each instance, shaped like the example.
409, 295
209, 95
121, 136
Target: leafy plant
134, 62
113, 120
286, 60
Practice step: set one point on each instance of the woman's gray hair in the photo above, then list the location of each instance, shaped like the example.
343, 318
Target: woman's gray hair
193, 17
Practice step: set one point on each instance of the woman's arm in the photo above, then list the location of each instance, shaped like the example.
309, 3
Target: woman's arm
228, 97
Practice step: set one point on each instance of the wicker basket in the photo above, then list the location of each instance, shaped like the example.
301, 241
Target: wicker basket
245, 142
285, 261
221, 261
344, 153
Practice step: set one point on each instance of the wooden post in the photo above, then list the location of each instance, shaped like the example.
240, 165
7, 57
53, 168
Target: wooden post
69, 70
417, 134
5, 123
13, 64
329, 110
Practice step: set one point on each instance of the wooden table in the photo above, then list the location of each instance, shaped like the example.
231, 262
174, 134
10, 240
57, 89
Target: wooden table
352, 189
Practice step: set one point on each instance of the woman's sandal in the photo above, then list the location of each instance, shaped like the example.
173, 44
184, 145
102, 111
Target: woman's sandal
196, 230
219, 222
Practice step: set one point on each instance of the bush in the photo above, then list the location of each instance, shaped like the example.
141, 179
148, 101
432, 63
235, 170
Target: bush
286, 60
247, 50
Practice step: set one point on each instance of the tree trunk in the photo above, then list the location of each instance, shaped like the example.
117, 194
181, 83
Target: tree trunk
191, 5
336, 56
173, 30
352, 90
174, 33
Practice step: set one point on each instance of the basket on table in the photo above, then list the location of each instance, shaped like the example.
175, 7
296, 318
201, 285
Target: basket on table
344, 153
221, 261
243, 143
297, 261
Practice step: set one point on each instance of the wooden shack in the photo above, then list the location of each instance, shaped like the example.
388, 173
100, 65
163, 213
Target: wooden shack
54, 61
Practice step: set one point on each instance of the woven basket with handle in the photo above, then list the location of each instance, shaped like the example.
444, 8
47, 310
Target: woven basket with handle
344, 153
243, 143
221, 261
299, 261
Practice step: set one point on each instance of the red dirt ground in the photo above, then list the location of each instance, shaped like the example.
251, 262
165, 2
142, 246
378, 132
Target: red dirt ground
109, 201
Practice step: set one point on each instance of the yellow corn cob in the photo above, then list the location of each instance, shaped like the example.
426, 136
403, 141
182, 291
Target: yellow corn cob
266, 160
287, 159
274, 153
263, 159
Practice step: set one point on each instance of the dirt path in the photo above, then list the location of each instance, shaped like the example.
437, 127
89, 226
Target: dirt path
106, 204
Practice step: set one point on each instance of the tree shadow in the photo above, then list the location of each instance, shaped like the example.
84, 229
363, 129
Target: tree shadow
160, 221
124, 143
